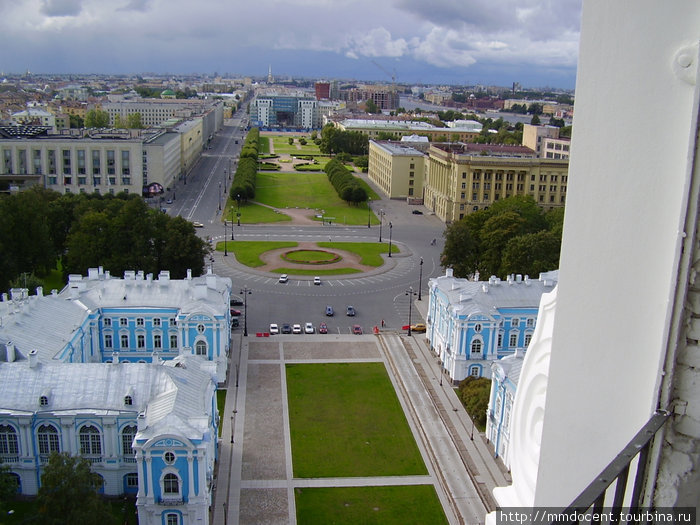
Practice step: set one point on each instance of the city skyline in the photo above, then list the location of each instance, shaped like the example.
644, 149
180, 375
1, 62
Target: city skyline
443, 42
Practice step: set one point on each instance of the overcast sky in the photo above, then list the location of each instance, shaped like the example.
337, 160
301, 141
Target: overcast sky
534, 42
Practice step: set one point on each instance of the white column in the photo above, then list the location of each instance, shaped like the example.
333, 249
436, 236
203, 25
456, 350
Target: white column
149, 473
190, 475
139, 464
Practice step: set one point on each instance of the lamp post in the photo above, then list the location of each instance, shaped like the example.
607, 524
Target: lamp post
225, 515
410, 293
245, 291
226, 235
219, 195
369, 211
231, 429
420, 278
390, 227
381, 216
238, 211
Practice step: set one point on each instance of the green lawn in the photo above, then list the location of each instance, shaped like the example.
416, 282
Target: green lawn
368, 251
263, 145
282, 146
316, 271
248, 252
220, 405
308, 190
395, 505
346, 421
252, 213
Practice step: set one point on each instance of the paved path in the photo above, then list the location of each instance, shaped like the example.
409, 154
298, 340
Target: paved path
254, 483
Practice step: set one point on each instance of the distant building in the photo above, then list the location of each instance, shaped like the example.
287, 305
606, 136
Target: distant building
381, 128
385, 98
462, 178
284, 111
33, 116
323, 90
533, 136
473, 323
397, 168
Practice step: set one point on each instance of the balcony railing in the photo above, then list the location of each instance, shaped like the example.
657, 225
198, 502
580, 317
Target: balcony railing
593, 497
170, 502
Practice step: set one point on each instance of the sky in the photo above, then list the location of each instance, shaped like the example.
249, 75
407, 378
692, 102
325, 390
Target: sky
456, 42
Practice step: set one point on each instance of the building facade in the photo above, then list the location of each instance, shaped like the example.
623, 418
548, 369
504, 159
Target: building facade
462, 178
504, 383
471, 324
284, 111
374, 128
397, 169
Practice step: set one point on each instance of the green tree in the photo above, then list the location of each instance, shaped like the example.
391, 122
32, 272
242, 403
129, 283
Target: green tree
8, 487
96, 118
532, 253
76, 121
535, 121
68, 493
133, 121
371, 107
119, 122
461, 252
474, 393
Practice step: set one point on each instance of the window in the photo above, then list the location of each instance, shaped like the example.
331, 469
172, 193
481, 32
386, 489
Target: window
530, 322
90, 443
125, 163
81, 162
200, 328
157, 341
108, 340
156, 321
66, 162
123, 321
171, 484
52, 161
169, 458
132, 480
513, 341
477, 327
128, 435
128, 400
528, 338
43, 401
48, 439
500, 339
8, 441
124, 341
141, 341
474, 371
476, 346
110, 164
95, 162
515, 321
173, 340
171, 321
108, 321
201, 348
139, 321
172, 519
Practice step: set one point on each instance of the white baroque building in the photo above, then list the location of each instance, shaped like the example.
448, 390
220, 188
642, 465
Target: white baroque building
472, 323
123, 372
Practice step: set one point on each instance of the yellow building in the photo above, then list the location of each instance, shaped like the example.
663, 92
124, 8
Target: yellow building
401, 128
397, 169
462, 178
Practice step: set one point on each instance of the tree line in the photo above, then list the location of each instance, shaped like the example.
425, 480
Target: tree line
334, 140
512, 236
39, 227
345, 183
244, 179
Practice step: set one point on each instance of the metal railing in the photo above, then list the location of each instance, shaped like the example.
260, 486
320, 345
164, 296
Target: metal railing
593, 497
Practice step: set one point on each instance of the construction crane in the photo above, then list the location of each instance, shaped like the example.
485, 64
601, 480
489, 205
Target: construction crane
392, 75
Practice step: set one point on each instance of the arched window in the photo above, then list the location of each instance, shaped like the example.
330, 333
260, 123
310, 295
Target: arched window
8, 441
171, 484
476, 346
128, 435
201, 348
528, 338
48, 440
90, 442
172, 519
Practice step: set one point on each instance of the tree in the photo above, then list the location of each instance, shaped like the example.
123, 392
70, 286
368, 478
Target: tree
96, 118
461, 248
535, 121
532, 253
474, 393
76, 121
133, 121
8, 486
119, 122
68, 493
371, 107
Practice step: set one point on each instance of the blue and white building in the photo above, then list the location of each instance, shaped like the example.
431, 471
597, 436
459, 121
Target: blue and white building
123, 372
470, 324
505, 374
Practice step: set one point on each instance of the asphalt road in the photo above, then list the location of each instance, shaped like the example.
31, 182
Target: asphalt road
379, 295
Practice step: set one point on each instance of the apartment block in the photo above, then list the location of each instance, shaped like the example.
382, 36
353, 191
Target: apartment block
397, 169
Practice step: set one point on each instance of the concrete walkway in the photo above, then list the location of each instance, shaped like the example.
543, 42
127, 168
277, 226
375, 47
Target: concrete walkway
254, 483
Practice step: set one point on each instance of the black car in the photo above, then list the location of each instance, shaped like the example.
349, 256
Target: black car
417, 212
286, 328
236, 301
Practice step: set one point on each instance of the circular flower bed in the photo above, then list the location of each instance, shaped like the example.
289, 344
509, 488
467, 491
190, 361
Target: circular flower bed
311, 257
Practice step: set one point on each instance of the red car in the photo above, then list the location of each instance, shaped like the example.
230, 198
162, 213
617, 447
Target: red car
356, 329
322, 328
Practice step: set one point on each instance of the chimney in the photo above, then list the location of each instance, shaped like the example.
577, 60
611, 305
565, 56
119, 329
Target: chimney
10, 352
141, 422
449, 272
33, 359
485, 288
211, 281
189, 274
93, 273
519, 278
40, 291
115, 358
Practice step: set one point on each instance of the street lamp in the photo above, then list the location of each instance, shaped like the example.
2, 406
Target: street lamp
381, 216
245, 291
238, 212
225, 235
410, 293
420, 278
390, 227
219, 195
369, 210
231, 429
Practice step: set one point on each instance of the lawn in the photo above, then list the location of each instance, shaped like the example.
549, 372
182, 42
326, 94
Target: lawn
394, 505
263, 145
346, 421
220, 405
370, 252
252, 213
309, 190
282, 146
316, 271
248, 252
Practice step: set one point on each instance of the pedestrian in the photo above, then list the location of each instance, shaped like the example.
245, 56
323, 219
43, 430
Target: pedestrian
382, 323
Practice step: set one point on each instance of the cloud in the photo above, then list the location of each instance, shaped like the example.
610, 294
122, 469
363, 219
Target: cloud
136, 5
376, 42
53, 8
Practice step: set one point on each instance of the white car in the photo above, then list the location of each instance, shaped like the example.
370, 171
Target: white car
284, 278
296, 328
317, 280
274, 329
309, 328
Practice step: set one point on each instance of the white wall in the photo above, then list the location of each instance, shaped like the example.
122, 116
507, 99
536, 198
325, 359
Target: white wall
634, 128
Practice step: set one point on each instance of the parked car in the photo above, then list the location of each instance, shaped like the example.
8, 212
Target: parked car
286, 328
236, 301
309, 329
417, 212
322, 328
356, 329
274, 329
198, 225
329, 311
317, 280
284, 278
169, 201
418, 327
296, 328
235, 312
350, 311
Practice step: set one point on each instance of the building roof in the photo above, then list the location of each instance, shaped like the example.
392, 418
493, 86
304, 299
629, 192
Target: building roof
509, 368
398, 149
467, 298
